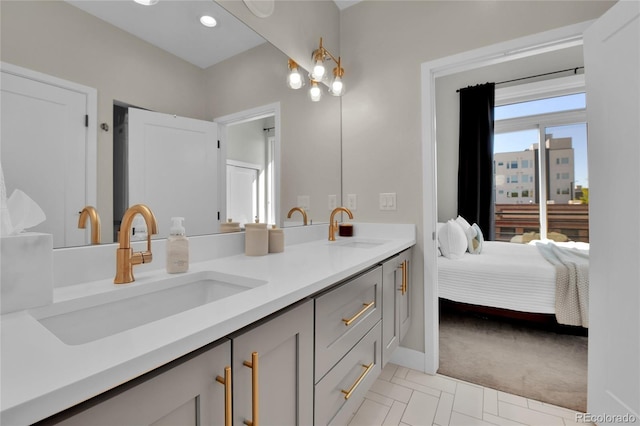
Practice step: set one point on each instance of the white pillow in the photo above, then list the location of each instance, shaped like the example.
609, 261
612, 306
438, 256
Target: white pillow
474, 239
453, 241
464, 224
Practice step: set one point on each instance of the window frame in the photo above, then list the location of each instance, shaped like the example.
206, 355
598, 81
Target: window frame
535, 91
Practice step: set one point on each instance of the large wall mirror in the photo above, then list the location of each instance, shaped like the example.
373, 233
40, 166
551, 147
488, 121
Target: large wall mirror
66, 40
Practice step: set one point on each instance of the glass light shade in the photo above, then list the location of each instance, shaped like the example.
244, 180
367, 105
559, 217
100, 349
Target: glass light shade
294, 79
317, 74
314, 92
337, 87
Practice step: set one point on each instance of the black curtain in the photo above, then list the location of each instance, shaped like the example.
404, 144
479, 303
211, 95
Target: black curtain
475, 158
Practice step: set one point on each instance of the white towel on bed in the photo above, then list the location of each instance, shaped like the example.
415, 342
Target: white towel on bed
572, 282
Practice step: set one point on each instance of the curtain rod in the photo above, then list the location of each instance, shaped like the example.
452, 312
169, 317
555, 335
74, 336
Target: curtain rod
575, 71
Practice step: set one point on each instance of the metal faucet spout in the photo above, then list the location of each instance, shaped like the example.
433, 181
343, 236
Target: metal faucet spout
89, 212
126, 258
301, 210
333, 226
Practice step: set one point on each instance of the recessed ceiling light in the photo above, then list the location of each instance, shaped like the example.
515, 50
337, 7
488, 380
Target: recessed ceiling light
208, 21
146, 2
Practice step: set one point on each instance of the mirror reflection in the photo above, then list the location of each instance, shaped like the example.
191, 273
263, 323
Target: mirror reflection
61, 41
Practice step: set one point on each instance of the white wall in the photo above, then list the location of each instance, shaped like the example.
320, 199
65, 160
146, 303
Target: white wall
386, 41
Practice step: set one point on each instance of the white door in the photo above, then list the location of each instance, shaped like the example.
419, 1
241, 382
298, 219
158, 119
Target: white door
612, 72
242, 193
173, 169
44, 152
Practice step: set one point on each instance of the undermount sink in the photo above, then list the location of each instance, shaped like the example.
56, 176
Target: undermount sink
360, 243
93, 317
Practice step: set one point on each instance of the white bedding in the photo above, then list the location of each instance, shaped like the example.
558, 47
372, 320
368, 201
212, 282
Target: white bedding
505, 275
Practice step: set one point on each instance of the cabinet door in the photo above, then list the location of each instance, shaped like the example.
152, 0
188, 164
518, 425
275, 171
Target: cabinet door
184, 394
273, 370
405, 286
390, 303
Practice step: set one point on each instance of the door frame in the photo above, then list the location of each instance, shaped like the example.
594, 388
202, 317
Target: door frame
91, 134
547, 41
251, 114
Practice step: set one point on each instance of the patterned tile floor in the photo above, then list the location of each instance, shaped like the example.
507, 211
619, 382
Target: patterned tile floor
406, 397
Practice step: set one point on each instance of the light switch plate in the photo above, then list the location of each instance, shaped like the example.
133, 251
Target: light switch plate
352, 202
304, 201
333, 202
388, 201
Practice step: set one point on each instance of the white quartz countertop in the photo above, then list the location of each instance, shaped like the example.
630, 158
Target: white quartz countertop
41, 375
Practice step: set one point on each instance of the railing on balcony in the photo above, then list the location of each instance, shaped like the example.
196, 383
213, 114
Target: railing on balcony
571, 220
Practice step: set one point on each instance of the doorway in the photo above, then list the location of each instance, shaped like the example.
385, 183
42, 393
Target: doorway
250, 152
480, 59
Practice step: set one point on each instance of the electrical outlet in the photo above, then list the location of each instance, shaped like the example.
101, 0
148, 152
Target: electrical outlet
388, 201
352, 202
304, 202
333, 202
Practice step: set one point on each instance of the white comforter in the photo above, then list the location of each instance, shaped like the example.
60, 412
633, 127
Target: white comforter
505, 275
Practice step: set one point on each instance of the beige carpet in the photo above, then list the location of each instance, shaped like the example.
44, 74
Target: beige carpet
515, 358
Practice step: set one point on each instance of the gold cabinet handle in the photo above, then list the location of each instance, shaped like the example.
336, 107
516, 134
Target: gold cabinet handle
226, 381
347, 393
405, 274
348, 321
253, 365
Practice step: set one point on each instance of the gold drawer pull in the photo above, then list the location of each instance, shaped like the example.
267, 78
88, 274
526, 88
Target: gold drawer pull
253, 365
347, 393
405, 275
348, 321
227, 394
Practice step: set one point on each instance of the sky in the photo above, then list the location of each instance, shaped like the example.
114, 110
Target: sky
521, 140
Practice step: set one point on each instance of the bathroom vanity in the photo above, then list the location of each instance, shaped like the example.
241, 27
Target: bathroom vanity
299, 341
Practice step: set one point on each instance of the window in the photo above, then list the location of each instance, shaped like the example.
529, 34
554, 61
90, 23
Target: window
547, 135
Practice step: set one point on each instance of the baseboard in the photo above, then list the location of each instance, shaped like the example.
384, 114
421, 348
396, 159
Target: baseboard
409, 358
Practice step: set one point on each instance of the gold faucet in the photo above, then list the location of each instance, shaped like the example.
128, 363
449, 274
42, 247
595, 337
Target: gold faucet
125, 256
301, 210
333, 226
91, 213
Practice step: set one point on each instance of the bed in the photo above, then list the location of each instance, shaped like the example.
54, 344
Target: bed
519, 278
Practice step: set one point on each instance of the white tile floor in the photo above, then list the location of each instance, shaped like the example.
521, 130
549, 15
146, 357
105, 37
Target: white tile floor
407, 397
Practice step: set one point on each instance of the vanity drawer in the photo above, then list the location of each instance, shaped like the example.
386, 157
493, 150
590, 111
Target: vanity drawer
356, 372
343, 316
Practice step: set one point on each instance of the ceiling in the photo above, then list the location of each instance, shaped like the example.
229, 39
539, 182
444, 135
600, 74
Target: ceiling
174, 26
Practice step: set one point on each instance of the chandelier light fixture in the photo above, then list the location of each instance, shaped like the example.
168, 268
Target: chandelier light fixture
318, 74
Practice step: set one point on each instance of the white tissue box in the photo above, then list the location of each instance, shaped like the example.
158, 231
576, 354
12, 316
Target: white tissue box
26, 279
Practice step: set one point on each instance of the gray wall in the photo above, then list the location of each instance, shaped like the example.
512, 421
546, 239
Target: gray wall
387, 41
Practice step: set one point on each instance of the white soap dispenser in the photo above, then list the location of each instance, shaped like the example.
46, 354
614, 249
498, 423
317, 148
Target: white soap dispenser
177, 247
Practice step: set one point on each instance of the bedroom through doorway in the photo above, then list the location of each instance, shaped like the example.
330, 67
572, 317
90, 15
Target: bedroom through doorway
532, 359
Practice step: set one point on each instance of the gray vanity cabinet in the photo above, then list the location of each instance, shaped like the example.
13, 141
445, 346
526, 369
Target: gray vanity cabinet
347, 346
396, 309
184, 392
273, 370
